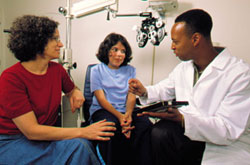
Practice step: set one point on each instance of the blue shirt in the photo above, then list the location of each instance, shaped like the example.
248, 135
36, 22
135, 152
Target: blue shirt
114, 83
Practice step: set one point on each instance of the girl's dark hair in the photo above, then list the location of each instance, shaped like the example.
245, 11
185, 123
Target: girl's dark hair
196, 20
29, 36
111, 40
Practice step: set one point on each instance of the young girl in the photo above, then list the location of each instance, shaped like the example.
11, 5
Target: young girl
113, 102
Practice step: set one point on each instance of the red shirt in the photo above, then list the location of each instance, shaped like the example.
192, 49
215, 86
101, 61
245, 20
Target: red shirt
22, 92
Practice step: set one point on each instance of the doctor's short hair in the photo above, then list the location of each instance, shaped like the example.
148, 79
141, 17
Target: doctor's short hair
106, 45
29, 36
196, 20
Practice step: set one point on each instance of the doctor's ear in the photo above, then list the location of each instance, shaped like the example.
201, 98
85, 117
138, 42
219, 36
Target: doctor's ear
196, 37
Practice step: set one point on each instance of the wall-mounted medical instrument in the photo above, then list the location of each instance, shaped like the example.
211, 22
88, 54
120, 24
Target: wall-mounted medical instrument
153, 28
163, 6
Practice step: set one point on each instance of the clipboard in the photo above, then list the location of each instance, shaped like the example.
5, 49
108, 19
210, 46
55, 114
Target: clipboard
162, 106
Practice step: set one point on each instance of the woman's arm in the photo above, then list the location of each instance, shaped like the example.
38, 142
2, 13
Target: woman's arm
76, 98
28, 125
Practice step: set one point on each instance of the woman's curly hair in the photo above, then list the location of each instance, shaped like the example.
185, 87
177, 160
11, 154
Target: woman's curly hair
111, 40
29, 36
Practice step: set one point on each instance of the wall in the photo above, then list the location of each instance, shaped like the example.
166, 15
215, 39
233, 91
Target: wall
231, 29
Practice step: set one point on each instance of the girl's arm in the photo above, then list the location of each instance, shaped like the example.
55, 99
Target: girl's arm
100, 96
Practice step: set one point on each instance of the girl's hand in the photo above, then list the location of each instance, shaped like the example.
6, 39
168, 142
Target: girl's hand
125, 122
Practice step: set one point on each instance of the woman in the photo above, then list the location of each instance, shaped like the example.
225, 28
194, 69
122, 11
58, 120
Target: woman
112, 101
30, 95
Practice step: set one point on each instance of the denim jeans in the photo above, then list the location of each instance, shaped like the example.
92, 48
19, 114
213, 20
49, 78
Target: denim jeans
17, 149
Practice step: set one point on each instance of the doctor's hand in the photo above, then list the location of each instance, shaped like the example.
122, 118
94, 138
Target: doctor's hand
172, 114
136, 87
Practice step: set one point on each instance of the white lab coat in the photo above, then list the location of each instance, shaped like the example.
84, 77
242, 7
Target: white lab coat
219, 107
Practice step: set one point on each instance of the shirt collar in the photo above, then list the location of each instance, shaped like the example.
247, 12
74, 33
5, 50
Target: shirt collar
221, 60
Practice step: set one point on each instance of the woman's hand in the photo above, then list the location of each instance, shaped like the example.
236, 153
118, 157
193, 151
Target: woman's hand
101, 130
76, 99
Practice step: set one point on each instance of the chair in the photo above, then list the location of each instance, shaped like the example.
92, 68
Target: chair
86, 105
88, 96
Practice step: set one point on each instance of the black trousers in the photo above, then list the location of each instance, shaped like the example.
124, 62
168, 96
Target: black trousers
171, 147
122, 151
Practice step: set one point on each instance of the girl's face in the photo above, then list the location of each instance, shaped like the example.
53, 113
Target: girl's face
117, 55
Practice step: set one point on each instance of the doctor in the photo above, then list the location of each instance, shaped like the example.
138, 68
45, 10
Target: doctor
215, 127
